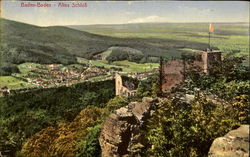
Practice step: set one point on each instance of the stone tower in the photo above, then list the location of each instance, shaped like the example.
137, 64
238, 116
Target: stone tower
207, 58
171, 74
121, 89
118, 84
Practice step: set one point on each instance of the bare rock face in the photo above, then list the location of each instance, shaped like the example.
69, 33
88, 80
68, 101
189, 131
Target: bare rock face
233, 144
121, 130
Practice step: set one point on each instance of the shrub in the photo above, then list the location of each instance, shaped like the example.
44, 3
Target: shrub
90, 147
61, 139
149, 87
187, 130
116, 103
7, 69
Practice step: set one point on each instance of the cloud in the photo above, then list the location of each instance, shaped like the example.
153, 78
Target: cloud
152, 18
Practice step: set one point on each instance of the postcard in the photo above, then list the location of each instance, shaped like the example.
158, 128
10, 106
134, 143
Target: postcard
124, 78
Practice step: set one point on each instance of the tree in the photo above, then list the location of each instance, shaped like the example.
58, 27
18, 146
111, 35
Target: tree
149, 87
179, 129
226, 79
90, 146
61, 139
116, 103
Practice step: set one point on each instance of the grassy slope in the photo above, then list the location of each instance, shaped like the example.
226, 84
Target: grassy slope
49, 42
135, 67
125, 65
10, 81
115, 49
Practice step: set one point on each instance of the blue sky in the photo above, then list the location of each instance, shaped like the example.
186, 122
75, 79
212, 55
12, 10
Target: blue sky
128, 12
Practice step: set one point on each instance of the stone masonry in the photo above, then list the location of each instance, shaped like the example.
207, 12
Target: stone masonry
121, 130
173, 72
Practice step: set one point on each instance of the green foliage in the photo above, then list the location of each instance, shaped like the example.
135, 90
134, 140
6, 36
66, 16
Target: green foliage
228, 90
60, 139
26, 113
116, 103
181, 130
240, 109
123, 53
12, 55
148, 87
9, 142
231, 68
226, 79
7, 69
90, 147
12, 82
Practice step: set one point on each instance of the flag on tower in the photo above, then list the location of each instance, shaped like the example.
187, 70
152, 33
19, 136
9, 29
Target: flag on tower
211, 28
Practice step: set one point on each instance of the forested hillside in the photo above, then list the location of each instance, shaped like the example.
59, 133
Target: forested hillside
28, 43
24, 114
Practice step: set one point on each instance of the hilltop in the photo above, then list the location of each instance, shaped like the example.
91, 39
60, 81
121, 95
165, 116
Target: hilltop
51, 42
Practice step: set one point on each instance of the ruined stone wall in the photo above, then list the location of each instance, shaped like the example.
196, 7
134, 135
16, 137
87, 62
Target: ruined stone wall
207, 59
173, 71
118, 84
120, 89
172, 74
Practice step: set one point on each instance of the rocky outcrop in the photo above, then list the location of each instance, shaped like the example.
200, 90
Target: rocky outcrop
121, 131
233, 144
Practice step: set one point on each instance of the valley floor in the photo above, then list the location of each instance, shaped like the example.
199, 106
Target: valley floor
50, 75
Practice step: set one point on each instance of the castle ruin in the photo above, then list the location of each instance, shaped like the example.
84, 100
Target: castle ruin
205, 59
172, 73
123, 88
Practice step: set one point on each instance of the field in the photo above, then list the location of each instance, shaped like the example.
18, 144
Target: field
227, 37
126, 66
131, 67
13, 83
15, 80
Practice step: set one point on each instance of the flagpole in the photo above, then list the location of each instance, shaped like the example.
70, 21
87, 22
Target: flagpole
210, 30
209, 40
